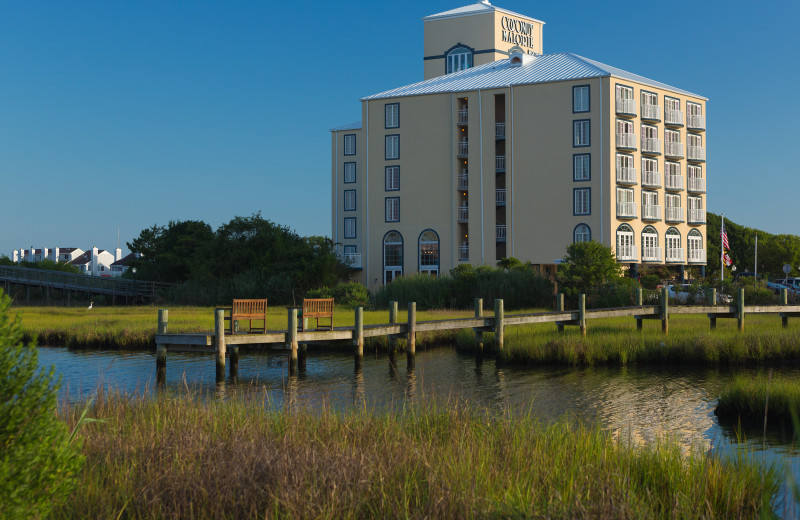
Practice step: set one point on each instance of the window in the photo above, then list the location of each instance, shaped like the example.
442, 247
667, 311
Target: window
459, 58
626, 207
392, 209
672, 143
694, 109
649, 198
624, 92
625, 103
392, 256
672, 104
582, 233
349, 250
625, 243
349, 172
582, 204
649, 132
350, 227
349, 200
581, 167
350, 144
392, 178
696, 213
392, 147
648, 98
650, 208
624, 126
650, 249
580, 98
672, 176
650, 175
429, 253
650, 109
392, 115
694, 140
674, 209
580, 133
673, 242
672, 111
695, 245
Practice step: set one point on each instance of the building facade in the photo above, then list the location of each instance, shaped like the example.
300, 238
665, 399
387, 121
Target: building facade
504, 151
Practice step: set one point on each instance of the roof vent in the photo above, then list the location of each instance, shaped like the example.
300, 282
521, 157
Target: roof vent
517, 57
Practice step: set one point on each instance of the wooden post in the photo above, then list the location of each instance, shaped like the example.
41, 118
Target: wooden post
665, 310
639, 303
292, 339
582, 313
712, 320
412, 328
161, 349
499, 318
478, 332
784, 301
560, 308
219, 339
358, 333
392, 320
740, 309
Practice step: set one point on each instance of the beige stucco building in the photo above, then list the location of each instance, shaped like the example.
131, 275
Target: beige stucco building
506, 151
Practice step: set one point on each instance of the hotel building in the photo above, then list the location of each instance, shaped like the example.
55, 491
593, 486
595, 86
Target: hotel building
503, 150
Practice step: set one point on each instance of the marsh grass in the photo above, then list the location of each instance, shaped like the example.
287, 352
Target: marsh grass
745, 399
177, 456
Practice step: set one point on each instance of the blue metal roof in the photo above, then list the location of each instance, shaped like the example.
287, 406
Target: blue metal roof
351, 126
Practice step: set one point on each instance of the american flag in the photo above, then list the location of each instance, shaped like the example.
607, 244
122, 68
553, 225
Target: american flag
724, 236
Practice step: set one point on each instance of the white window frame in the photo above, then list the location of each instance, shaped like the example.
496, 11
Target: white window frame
349, 172
694, 109
392, 209
392, 115
581, 133
649, 98
458, 59
582, 201
671, 103
694, 140
624, 126
349, 200
582, 233
649, 131
672, 136
392, 178
350, 227
582, 167
580, 99
350, 144
392, 150
623, 92
649, 198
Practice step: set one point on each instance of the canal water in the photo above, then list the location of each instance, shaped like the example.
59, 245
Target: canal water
639, 404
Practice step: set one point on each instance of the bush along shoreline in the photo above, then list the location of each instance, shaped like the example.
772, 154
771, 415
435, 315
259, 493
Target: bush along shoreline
750, 401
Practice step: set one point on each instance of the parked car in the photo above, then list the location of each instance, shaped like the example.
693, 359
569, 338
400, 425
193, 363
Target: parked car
681, 294
776, 287
793, 284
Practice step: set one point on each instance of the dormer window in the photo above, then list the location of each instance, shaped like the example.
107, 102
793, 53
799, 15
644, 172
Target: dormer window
459, 58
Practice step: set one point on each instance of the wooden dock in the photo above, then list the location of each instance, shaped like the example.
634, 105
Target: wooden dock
227, 345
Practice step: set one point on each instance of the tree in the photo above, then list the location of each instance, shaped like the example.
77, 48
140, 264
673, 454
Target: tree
588, 266
38, 459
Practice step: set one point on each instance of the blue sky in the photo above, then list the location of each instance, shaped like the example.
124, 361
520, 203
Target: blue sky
129, 114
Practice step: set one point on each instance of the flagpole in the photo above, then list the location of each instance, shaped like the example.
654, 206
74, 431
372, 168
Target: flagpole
756, 276
722, 250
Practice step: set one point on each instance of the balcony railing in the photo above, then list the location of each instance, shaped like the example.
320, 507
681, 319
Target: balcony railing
651, 145
500, 197
651, 112
651, 212
674, 214
673, 149
696, 153
626, 253
500, 130
463, 117
652, 254
697, 184
626, 209
352, 260
626, 141
675, 254
673, 117
697, 216
463, 213
463, 149
651, 179
463, 181
626, 175
626, 106
463, 253
500, 163
697, 255
501, 232
673, 182
696, 122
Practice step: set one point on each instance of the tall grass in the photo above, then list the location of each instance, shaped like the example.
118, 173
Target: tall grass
178, 457
745, 398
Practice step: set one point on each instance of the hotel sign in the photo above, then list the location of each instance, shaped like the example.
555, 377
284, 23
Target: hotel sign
517, 32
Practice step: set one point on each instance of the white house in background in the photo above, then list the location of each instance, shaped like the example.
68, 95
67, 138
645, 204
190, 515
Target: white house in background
56, 254
119, 267
96, 262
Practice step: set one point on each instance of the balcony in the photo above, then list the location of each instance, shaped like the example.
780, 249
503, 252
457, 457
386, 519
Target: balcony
463, 117
463, 214
626, 209
626, 253
673, 150
695, 122
696, 153
352, 260
463, 253
651, 179
673, 182
651, 112
463, 181
499, 130
651, 145
463, 149
501, 232
626, 175
673, 117
675, 254
674, 214
500, 163
652, 254
697, 256
500, 197
651, 212
697, 216
626, 107
626, 141
697, 184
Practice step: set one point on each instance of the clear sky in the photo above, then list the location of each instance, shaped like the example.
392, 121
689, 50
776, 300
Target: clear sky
128, 114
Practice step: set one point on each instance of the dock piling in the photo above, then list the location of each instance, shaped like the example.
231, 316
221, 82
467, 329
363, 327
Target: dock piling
412, 328
639, 303
784, 301
499, 318
740, 310
582, 313
712, 320
392, 321
665, 310
479, 332
292, 339
219, 340
358, 333
161, 350
560, 308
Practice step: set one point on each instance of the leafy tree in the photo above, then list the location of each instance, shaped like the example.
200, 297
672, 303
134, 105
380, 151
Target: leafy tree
588, 266
38, 459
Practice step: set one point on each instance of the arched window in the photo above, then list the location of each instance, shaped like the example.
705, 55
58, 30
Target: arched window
459, 58
626, 250
582, 233
392, 256
696, 246
429, 252
650, 250
672, 241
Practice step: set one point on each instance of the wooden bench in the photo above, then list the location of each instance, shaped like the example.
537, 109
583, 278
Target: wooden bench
250, 310
317, 308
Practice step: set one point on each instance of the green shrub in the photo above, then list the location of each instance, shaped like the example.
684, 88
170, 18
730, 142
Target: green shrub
38, 459
349, 294
650, 281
